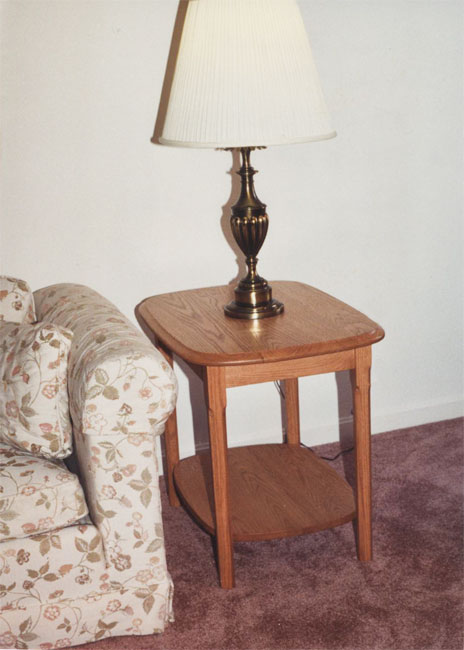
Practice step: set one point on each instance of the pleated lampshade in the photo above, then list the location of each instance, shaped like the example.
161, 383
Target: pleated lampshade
244, 77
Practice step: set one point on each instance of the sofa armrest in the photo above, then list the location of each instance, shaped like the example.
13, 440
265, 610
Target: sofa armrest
118, 382
121, 394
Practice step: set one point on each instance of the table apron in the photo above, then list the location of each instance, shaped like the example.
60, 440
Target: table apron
257, 373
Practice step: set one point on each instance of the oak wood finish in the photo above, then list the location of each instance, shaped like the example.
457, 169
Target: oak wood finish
266, 491
259, 373
275, 491
215, 393
193, 325
360, 378
292, 411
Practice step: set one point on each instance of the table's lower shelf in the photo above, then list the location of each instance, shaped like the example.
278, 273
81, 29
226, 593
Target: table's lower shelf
275, 491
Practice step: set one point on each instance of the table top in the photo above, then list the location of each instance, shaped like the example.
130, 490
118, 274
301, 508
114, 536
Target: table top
193, 325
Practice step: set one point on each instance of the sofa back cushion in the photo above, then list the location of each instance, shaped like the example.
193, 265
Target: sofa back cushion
34, 411
16, 301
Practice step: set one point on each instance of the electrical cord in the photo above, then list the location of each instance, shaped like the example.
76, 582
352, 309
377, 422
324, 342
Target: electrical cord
340, 453
343, 451
279, 389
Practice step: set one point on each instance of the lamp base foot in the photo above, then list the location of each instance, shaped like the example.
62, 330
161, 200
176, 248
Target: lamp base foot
237, 310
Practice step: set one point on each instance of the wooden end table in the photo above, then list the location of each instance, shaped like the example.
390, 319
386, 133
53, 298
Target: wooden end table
277, 490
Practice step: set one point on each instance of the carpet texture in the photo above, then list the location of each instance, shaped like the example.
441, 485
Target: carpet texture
310, 592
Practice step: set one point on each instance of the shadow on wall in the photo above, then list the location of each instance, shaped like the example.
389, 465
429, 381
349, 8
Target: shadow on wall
169, 72
225, 219
158, 130
345, 423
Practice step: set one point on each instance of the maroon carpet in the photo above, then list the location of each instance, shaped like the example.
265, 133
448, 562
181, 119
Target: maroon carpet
310, 592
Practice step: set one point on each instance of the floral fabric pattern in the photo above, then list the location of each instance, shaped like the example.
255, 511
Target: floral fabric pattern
36, 495
34, 408
85, 582
16, 301
114, 369
56, 591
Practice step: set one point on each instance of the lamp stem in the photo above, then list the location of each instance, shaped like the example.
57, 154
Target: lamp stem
249, 223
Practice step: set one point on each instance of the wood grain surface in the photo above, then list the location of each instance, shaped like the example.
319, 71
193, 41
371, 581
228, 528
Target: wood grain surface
275, 491
193, 325
292, 411
254, 373
216, 402
361, 384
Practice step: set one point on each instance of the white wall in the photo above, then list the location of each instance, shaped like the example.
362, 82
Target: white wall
373, 217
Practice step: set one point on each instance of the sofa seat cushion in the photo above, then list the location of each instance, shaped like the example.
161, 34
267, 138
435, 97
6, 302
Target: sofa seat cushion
34, 407
36, 495
16, 301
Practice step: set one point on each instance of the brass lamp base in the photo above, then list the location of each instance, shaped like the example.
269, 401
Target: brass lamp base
235, 310
249, 223
253, 303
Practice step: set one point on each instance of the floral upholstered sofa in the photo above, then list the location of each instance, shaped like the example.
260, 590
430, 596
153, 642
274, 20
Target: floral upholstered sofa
82, 555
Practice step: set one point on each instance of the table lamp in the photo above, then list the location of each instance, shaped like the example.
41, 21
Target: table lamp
245, 79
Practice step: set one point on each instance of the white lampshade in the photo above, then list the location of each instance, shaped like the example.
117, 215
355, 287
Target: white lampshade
244, 77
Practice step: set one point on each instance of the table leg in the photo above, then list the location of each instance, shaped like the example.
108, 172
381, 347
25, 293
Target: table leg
215, 392
292, 411
172, 456
362, 431
171, 441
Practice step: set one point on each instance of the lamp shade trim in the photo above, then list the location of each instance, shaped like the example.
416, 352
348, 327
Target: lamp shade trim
238, 145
